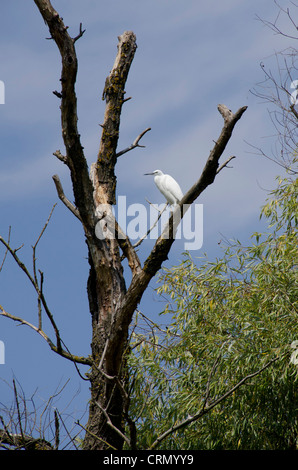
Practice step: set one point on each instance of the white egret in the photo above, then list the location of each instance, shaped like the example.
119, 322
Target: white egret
167, 186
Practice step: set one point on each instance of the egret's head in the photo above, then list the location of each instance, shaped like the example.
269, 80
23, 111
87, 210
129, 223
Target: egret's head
155, 173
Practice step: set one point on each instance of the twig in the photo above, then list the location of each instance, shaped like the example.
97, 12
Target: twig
127, 99
134, 144
40, 293
127, 249
58, 154
125, 438
64, 199
18, 261
57, 431
274, 26
58, 350
95, 436
66, 430
37, 289
5, 254
18, 408
80, 34
225, 164
39, 302
103, 355
152, 227
59, 95
38, 239
6, 433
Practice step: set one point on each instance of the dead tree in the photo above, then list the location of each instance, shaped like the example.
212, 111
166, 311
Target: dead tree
112, 303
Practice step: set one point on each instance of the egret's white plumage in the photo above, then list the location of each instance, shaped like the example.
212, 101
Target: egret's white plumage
167, 186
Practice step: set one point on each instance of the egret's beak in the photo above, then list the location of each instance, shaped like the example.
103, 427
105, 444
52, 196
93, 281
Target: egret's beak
148, 173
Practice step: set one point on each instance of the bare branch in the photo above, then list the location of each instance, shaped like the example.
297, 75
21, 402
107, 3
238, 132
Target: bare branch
152, 227
94, 436
64, 199
39, 302
57, 430
274, 25
81, 32
275, 90
22, 424
225, 164
59, 155
210, 170
18, 409
59, 95
37, 289
58, 350
74, 151
125, 438
134, 144
6, 251
43, 230
128, 250
18, 261
113, 94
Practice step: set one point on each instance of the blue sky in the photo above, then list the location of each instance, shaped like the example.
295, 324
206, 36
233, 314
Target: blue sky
191, 56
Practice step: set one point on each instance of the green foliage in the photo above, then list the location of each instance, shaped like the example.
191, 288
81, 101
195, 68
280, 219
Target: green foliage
229, 318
